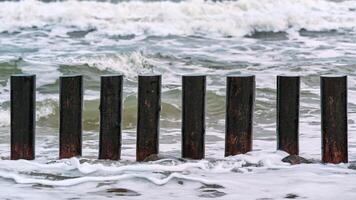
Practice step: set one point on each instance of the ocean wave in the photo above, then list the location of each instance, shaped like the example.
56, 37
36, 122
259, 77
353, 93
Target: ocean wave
78, 171
258, 174
75, 181
74, 171
44, 110
192, 17
128, 64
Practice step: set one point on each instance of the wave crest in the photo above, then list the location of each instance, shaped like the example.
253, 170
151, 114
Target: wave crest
198, 17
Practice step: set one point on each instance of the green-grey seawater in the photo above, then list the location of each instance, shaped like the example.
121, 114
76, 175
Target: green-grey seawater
265, 38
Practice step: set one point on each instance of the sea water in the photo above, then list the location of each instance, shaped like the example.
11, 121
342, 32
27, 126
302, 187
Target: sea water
261, 37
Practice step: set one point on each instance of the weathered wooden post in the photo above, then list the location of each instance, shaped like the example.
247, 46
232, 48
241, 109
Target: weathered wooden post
240, 99
334, 119
110, 117
23, 118
193, 116
71, 105
149, 107
288, 92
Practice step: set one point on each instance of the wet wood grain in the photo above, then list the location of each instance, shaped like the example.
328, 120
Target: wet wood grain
193, 120
23, 118
71, 106
334, 119
240, 98
148, 116
110, 117
288, 93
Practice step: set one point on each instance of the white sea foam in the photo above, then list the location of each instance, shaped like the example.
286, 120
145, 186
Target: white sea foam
251, 176
119, 42
177, 169
235, 18
128, 64
4, 118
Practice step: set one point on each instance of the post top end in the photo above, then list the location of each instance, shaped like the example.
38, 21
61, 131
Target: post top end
23, 75
240, 75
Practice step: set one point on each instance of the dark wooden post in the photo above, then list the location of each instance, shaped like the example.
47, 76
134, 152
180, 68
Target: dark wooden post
288, 89
110, 117
149, 107
240, 99
71, 105
23, 118
334, 119
193, 117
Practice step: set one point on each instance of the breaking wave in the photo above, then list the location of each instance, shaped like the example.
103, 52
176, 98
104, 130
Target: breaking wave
192, 17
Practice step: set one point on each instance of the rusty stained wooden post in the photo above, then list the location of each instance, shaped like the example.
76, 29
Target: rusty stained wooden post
193, 116
71, 106
334, 119
23, 118
148, 116
110, 117
240, 99
288, 92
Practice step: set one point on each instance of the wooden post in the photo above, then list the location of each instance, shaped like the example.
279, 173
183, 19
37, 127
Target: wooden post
334, 119
110, 117
71, 105
193, 118
288, 89
23, 118
240, 98
149, 107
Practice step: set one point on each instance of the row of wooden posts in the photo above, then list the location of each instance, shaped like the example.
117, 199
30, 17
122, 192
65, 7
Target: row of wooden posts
240, 98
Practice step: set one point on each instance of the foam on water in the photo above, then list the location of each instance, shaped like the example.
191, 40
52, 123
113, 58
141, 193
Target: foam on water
261, 37
227, 18
129, 64
251, 176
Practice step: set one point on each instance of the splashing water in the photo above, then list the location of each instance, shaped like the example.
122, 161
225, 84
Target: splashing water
262, 37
